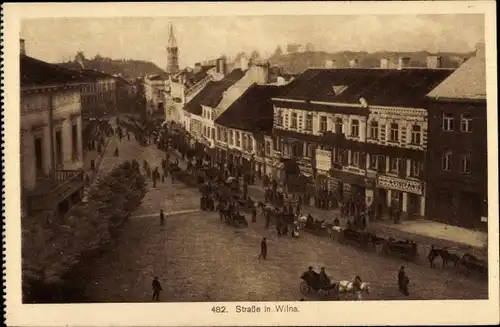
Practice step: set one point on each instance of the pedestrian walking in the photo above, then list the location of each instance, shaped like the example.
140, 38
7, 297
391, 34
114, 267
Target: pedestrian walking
254, 214
263, 249
156, 289
162, 218
403, 281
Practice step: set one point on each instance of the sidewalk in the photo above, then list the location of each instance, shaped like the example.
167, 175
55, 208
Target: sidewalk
423, 232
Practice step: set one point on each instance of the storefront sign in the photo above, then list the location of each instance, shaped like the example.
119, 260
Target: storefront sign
399, 184
323, 160
370, 183
353, 170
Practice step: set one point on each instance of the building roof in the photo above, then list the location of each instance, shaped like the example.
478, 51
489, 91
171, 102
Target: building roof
252, 111
467, 82
385, 87
213, 92
35, 72
159, 77
92, 74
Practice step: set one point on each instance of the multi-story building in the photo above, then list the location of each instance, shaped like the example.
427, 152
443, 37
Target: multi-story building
201, 111
51, 153
457, 167
241, 130
125, 95
360, 133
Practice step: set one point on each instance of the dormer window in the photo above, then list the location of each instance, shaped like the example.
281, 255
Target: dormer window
337, 89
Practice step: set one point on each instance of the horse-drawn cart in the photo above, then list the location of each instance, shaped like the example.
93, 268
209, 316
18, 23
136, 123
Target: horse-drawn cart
407, 250
310, 283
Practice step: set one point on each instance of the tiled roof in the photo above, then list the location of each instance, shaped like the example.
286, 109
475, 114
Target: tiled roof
212, 93
35, 72
385, 87
252, 111
467, 82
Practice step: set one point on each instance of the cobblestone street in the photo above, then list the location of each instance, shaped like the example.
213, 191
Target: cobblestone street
199, 258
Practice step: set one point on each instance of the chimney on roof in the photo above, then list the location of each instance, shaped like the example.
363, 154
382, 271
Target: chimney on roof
260, 73
330, 64
79, 59
404, 62
384, 63
354, 63
22, 47
434, 62
480, 50
220, 66
197, 67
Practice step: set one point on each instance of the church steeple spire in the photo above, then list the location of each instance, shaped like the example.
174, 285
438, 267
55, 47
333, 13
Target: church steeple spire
172, 53
172, 42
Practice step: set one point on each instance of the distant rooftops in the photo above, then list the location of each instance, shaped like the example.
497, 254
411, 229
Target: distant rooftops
385, 87
467, 82
35, 72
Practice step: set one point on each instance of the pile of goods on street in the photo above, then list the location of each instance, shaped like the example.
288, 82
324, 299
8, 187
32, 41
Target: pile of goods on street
54, 248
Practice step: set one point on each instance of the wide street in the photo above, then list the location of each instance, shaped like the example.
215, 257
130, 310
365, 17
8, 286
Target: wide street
199, 258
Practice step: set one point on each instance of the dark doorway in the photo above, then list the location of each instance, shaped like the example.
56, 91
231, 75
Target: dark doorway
39, 155
59, 150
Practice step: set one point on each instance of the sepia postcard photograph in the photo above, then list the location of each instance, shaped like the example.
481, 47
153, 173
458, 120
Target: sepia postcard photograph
184, 164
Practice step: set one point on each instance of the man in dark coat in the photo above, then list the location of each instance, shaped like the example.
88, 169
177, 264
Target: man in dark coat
156, 289
254, 214
403, 281
263, 249
162, 218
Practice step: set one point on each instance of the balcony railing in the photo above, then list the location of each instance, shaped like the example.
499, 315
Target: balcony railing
51, 191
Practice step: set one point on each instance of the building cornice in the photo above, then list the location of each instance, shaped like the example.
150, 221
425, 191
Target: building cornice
50, 87
288, 100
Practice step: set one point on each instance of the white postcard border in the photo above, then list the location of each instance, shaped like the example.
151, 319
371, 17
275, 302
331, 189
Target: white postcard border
190, 314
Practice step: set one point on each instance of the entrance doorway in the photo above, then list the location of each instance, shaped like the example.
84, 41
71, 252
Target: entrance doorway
413, 205
381, 202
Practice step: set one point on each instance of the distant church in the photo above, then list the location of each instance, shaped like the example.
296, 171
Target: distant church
172, 53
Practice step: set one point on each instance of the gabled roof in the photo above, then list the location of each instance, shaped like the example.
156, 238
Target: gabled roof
385, 87
467, 82
252, 111
35, 72
212, 93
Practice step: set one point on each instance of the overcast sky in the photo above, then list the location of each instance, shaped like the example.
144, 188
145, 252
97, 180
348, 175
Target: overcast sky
203, 38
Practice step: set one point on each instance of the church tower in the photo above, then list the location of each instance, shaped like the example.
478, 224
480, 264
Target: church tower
172, 53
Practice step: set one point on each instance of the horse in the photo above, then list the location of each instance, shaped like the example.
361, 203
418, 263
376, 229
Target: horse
347, 287
445, 256
335, 231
